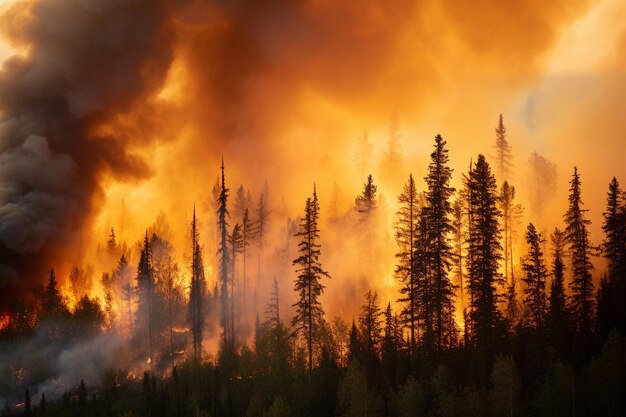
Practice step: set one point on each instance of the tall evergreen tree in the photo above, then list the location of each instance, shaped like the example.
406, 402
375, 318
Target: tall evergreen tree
543, 177
53, 305
197, 291
535, 276
459, 237
504, 154
484, 253
222, 216
405, 233
309, 316
557, 315
370, 323
145, 285
235, 243
262, 223
577, 237
437, 214
614, 250
366, 205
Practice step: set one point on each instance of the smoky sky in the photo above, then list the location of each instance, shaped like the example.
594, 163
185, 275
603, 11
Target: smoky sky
85, 62
78, 104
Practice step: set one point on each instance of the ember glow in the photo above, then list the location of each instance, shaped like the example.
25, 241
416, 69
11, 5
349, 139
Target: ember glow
116, 117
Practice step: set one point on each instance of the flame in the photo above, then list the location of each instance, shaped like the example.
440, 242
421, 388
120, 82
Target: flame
5, 320
149, 361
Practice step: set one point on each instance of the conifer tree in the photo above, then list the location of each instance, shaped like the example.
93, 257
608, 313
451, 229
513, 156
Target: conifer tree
437, 212
557, 315
370, 323
272, 313
145, 285
614, 250
577, 237
197, 291
53, 305
309, 316
262, 224
535, 276
405, 234
504, 154
366, 205
459, 237
485, 251
235, 243
222, 216
543, 177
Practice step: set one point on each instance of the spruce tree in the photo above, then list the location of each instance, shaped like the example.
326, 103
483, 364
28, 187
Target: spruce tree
484, 252
437, 212
504, 154
614, 250
370, 323
197, 291
405, 234
222, 216
309, 316
262, 224
366, 205
235, 243
535, 277
53, 305
557, 316
145, 285
577, 236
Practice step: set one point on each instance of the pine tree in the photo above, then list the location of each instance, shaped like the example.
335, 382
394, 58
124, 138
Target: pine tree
557, 316
197, 290
53, 305
235, 243
405, 234
272, 313
484, 253
504, 154
365, 205
370, 323
437, 212
459, 237
577, 237
262, 224
614, 250
535, 276
111, 243
222, 216
309, 316
145, 285
247, 234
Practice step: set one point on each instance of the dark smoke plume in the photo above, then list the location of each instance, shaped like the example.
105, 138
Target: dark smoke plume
86, 62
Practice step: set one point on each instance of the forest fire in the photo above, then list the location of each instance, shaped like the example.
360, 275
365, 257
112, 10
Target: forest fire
312, 208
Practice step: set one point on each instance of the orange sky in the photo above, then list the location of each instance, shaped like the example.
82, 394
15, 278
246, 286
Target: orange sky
283, 93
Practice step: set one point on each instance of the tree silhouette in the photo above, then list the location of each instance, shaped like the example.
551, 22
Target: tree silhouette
437, 212
405, 233
145, 285
222, 222
504, 154
485, 251
577, 235
309, 315
197, 291
535, 276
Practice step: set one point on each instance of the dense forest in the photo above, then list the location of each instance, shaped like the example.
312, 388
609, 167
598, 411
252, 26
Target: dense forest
471, 332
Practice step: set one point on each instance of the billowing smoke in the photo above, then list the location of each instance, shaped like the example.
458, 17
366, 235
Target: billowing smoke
83, 64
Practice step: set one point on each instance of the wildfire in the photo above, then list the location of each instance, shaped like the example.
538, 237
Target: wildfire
5, 319
149, 361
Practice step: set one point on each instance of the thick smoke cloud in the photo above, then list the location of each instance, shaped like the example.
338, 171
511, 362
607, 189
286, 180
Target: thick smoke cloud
84, 63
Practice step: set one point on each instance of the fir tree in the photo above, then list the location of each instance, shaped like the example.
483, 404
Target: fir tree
504, 154
53, 305
370, 323
222, 216
235, 243
614, 250
485, 251
535, 276
365, 205
145, 284
577, 237
262, 224
309, 316
197, 290
557, 316
437, 214
405, 233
